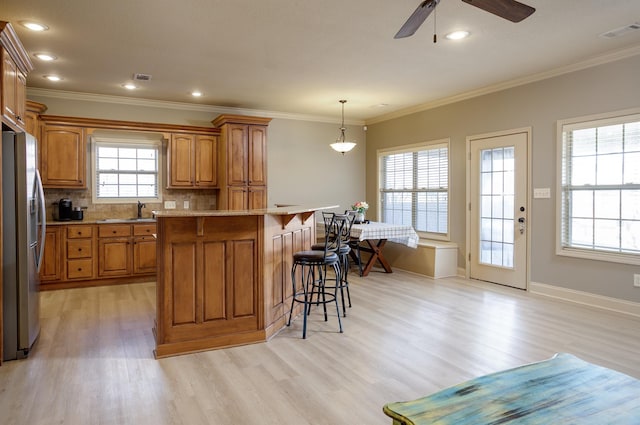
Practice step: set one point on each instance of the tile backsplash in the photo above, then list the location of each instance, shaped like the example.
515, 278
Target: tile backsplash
198, 200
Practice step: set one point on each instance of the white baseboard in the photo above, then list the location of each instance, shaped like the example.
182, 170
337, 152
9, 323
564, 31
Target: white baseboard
586, 298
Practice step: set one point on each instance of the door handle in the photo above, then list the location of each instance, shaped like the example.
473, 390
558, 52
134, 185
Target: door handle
521, 225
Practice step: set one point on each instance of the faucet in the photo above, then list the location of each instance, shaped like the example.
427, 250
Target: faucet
140, 207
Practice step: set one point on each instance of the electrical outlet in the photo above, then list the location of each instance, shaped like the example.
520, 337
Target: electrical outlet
169, 205
636, 280
185, 205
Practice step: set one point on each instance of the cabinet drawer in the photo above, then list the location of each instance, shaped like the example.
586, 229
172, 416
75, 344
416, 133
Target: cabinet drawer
79, 248
76, 232
114, 230
144, 229
78, 269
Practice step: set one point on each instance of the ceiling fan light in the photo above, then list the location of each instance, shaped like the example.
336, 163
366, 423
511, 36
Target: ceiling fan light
457, 35
52, 77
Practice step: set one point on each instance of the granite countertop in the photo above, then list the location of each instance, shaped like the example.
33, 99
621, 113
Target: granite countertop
282, 210
102, 221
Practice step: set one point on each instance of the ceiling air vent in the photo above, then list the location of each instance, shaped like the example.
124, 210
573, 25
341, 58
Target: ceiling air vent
621, 31
141, 77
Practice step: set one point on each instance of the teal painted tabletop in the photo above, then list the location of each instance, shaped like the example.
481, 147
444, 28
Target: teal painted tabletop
562, 390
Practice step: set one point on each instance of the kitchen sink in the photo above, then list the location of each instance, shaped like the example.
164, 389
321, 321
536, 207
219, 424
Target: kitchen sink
127, 220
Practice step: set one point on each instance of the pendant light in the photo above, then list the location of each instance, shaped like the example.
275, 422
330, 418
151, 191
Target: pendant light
341, 145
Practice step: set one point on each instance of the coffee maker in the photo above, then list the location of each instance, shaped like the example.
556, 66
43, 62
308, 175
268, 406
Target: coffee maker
62, 210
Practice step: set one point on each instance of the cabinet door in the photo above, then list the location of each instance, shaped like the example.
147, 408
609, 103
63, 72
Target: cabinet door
144, 255
9, 81
21, 99
237, 198
206, 160
181, 160
257, 155
237, 153
51, 268
257, 197
63, 157
114, 257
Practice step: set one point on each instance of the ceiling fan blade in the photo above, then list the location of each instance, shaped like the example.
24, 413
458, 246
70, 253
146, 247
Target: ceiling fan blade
417, 18
508, 9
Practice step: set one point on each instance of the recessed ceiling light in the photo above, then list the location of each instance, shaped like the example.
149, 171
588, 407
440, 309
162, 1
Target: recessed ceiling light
457, 35
130, 86
45, 57
52, 77
196, 93
34, 26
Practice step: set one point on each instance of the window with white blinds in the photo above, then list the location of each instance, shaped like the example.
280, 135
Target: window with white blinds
414, 187
126, 171
599, 203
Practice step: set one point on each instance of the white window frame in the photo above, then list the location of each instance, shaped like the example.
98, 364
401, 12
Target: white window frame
433, 144
125, 141
592, 121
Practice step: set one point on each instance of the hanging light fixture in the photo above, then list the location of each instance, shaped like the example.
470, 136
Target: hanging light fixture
341, 145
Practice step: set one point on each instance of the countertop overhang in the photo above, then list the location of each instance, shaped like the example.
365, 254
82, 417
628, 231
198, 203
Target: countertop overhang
285, 213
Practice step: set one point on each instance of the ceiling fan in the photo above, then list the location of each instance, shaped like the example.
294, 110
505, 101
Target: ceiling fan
508, 9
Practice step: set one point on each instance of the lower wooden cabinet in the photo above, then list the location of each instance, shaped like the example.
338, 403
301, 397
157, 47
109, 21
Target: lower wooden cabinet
51, 267
95, 254
79, 252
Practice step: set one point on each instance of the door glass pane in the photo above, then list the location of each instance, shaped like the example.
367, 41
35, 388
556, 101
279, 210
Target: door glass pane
497, 229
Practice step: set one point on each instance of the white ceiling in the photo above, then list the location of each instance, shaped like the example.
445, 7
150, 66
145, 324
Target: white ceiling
302, 56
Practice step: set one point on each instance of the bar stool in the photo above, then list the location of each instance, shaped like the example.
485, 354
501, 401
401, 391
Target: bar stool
313, 266
342, 248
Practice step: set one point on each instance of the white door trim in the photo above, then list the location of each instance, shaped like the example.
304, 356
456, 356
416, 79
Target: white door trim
469, 139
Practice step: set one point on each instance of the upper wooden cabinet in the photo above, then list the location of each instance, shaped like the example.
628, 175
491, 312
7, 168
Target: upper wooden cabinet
63, 156
32, 117
243, 154
15, 67
193, 161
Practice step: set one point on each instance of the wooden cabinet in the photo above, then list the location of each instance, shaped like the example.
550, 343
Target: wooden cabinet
79, 252
89, 254
32, 119
114, 250
144, 248
14, 67
193, 161
242, 156
51, 267
63, 157
209, 284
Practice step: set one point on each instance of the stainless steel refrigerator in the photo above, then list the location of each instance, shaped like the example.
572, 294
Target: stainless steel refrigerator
23, 236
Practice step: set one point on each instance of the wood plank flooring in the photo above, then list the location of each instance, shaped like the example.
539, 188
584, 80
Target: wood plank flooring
406, 336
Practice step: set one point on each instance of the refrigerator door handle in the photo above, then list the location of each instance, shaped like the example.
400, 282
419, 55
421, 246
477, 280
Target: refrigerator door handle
43, 219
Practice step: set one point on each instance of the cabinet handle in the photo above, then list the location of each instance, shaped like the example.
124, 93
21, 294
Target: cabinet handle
79, 249
79, 269
79, 233
113, 232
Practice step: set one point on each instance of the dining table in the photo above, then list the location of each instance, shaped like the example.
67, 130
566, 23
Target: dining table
375, 235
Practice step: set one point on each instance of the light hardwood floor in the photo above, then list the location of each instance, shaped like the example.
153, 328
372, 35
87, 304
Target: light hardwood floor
406, 336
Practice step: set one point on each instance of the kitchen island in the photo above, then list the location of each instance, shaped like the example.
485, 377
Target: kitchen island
223, 277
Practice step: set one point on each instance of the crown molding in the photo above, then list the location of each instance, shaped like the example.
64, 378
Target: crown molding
150, 103
578, 66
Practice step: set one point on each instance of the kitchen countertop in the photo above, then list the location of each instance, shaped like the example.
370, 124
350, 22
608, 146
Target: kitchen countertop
146, 220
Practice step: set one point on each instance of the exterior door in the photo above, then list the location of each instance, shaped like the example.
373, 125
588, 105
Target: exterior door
498, 208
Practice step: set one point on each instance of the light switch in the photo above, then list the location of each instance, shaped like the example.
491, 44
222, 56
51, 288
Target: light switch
185, 205
542, 193
169, 205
